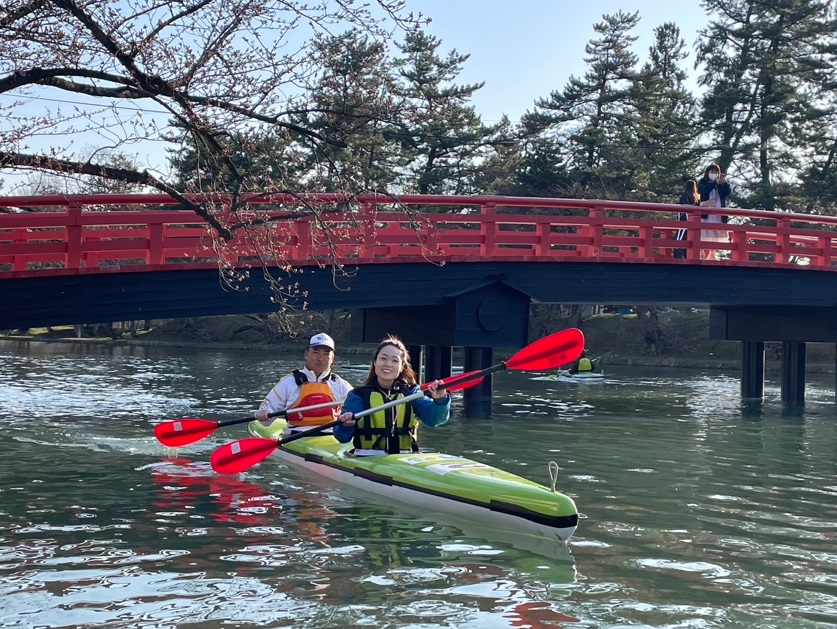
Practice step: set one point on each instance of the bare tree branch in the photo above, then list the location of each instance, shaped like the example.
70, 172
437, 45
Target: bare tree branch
209, 80
110, 172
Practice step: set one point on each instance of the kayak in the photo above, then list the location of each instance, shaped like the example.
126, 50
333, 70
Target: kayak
566, 376
435, 482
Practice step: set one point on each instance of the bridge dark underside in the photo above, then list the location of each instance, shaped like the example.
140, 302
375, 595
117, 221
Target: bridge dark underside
470, 304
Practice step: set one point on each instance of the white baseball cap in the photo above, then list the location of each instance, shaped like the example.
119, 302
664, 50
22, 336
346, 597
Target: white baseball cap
322, 340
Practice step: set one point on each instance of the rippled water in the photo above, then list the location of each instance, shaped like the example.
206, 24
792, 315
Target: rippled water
698, 511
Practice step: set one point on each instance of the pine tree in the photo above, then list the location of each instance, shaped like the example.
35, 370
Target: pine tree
814, 129
353, 106
592, 115
665, 120
267, 156
441, 137
754, 58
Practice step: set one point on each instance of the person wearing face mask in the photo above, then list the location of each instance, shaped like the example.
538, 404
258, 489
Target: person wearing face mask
392, 430
713, 189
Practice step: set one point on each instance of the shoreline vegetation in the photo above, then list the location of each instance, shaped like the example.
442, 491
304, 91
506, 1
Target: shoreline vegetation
614, 339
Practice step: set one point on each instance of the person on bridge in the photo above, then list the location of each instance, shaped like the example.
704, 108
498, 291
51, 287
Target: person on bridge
714, 190
689, 196
313, 384
393, 430
583, 364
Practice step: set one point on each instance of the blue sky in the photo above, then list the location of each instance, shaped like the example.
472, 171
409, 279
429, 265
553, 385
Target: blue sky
524, 49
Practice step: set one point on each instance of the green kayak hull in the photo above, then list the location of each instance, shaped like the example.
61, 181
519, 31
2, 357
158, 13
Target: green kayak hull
436, 481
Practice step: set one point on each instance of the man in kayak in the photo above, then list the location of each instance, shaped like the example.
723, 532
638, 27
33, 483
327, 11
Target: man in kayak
313, 384
392, 430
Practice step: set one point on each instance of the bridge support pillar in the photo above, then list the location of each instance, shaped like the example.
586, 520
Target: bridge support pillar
416, 360
793, 371
752, 369
437, 362
477, 399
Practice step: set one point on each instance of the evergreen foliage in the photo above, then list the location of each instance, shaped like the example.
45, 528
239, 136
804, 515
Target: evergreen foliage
627, 129
366, 107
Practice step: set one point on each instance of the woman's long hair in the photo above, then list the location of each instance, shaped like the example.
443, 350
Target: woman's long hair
407, 375
691, 189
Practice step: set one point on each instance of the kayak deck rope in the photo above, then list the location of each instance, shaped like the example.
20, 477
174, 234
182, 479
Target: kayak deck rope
552, 466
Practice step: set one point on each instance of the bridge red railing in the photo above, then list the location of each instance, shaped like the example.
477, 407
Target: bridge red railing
115, 233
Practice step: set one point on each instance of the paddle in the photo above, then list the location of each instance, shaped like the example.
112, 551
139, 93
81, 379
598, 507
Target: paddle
546, 353
181, 432
241, 455
550, 352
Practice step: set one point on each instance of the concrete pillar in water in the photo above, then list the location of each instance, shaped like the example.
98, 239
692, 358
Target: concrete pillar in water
416, 357
437, 362
793, 372
752, 369
477, 399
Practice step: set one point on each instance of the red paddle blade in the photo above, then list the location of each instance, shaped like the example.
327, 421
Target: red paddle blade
550, 352
451, 382
240, 456
182, 432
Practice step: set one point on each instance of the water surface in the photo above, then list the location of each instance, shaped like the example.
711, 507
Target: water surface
698, 510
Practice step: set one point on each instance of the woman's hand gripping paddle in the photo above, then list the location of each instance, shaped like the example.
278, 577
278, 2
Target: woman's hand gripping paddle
550, 352
241, 455
182, 432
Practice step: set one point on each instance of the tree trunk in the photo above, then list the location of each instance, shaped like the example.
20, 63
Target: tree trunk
652, 331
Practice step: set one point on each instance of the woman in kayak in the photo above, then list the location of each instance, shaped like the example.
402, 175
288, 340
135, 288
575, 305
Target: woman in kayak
392, 430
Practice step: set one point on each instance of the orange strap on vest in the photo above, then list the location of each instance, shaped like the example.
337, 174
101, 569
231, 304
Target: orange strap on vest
311, 393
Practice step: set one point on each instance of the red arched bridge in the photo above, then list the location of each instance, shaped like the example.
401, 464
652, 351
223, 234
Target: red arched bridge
82, 234
441, 270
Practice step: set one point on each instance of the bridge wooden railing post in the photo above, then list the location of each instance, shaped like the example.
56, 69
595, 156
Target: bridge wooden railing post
154, 255
739, 245
72, 259
542, 232
488, 230
367, 237
429, 238
693, 236
302, 227
19, 237
595, 229
646, 242
783, 242
826, 250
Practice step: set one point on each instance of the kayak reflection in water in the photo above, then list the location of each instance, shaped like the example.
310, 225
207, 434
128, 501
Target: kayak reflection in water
392, 430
